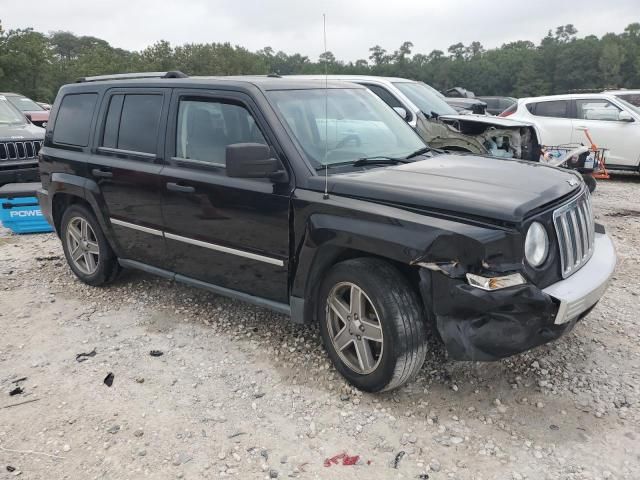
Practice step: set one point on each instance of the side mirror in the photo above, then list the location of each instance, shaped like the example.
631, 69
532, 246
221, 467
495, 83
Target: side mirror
625, 116
253, 160
402, 112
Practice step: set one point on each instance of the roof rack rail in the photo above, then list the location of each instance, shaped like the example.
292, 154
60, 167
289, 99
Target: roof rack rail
133, 76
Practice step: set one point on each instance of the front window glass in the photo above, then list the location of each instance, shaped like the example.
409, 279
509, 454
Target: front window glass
597, 109
206, 128
428, 102
25, 104
8, 114
343, 125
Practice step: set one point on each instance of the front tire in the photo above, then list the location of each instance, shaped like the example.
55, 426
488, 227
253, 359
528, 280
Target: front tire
590, 182
372, 324
86, 249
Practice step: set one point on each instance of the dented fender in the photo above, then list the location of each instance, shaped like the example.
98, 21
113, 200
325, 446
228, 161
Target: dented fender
326, 230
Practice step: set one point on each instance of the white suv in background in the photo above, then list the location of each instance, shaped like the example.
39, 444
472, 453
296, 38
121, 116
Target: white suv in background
613, 123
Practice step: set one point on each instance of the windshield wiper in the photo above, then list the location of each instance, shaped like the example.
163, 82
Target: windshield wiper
377, 160
422, 151
360, 162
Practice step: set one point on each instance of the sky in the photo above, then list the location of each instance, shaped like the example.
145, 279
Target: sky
295, 26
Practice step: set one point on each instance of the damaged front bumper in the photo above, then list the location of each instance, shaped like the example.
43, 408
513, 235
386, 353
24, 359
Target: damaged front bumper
483, 325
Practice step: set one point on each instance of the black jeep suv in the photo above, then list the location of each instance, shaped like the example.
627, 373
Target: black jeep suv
321, 203
20, 142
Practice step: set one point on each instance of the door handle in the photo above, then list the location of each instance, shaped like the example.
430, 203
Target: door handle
97, 172
175, 187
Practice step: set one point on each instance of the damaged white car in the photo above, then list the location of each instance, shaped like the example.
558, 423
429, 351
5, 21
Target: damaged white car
442, 127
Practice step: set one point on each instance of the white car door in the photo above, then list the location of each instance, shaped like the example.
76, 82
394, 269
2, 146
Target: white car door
602, 118
553, 119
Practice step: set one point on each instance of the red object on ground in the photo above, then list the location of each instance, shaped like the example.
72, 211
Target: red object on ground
346, 460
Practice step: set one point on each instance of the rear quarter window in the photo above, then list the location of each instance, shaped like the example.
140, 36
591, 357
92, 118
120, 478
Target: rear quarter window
73, 122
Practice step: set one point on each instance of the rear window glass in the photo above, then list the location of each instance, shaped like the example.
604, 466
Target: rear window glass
132, 122
112, 123
73, 121
556, 108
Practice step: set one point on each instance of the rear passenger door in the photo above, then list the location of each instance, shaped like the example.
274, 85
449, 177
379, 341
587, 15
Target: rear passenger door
553, 119
126, 164
230, 232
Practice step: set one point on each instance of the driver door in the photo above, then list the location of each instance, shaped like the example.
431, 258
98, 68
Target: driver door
230, 232
601, 118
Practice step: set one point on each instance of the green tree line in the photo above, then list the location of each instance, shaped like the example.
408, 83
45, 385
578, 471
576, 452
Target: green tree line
37, 64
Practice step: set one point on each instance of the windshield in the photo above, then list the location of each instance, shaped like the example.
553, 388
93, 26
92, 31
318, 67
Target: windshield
425, 99
356, 125
629, 106
632, 98
24, 104
8, 114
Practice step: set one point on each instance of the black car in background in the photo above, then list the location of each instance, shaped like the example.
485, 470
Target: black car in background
318, 201
463, 101
497, 105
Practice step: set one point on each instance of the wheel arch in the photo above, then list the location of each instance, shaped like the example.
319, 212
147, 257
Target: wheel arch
66, 190
313, 263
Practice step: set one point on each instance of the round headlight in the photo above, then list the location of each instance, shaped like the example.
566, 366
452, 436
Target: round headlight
536, 245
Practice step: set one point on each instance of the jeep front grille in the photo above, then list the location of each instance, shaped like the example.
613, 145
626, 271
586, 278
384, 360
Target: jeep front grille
20, 150
575, 229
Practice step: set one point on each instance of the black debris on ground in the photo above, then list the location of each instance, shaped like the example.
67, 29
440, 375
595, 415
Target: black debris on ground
16, 391
108, 380
399, 456
82, 357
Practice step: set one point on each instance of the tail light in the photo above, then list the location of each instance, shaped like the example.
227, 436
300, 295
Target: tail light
509, 111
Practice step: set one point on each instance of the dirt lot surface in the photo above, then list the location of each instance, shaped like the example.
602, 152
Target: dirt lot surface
240, 392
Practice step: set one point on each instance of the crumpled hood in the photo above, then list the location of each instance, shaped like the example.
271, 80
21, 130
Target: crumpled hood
499, 189
26, 131
499, 122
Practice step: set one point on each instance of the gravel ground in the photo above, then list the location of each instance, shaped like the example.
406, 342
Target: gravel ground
241, 392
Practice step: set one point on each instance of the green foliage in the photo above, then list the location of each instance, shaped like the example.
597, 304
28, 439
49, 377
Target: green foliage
36, 64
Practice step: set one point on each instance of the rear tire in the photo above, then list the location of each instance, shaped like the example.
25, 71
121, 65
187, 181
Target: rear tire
86, 249
372, 324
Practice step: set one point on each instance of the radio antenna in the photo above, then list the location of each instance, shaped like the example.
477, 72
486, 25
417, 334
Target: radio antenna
326, 111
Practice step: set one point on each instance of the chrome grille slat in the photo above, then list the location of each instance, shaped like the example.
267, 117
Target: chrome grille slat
575, 230
577, 239
568, 249
11, 150
585, 227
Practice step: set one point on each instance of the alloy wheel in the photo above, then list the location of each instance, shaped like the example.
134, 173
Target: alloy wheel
354, 327
83, 245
